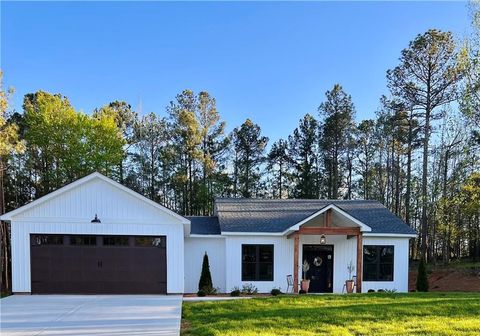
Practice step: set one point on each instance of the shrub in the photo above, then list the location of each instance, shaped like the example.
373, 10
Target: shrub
371, 290
210, 290
301, 291
205, 277
235, 291
249, 289
201, 293
422, 279
275, 291
390, 291
381, 291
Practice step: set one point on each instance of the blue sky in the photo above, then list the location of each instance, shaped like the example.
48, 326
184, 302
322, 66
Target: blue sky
271, 62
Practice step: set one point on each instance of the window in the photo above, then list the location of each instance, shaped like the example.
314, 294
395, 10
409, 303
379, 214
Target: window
83, 240
115, 240
48, 240
150, 241
378, 263
257, 262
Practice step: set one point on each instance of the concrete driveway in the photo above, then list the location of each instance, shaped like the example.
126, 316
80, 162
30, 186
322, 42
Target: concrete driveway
90, 315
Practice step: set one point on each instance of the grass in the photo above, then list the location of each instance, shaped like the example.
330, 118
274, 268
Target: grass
357, 314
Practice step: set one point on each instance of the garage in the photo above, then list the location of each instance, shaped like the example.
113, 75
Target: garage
96, 236
94, 264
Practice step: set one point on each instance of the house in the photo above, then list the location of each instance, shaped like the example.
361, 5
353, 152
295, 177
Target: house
97, 236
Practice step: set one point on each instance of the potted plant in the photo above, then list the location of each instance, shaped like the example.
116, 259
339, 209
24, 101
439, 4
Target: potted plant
305, 284
350, 283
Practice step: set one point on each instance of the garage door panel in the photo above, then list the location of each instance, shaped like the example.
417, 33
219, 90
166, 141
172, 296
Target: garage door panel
87, 269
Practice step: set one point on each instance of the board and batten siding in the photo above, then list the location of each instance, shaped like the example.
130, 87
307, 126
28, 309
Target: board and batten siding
345, 250
195, 248
400, 264
121, 213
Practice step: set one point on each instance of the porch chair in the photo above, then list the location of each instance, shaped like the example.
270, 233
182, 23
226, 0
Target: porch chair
354, 278
289, 283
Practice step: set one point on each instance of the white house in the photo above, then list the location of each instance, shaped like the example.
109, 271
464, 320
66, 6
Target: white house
97, 236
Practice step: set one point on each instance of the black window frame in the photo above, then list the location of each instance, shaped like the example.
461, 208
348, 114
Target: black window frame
257, 262
116, 241
378, 263
83, 240
48, 240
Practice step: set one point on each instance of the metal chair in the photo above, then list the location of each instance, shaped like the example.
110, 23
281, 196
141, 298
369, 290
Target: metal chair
289, 283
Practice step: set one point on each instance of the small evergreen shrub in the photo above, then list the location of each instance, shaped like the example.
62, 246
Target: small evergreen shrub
275, 291
301, 291
371, 290
201, 293
235, 291
249, 289
422, 278
205, 282
381, 291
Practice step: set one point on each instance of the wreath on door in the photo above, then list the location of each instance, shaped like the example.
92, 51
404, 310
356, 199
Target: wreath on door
317, 261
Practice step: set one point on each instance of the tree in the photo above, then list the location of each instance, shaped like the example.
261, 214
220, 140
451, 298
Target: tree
10, 143
205, 282
187, 136
303, 149
422, 278
278, 160
64, 145
125, 119
365, 140
338, 113
426, 79
249, 147
151, 138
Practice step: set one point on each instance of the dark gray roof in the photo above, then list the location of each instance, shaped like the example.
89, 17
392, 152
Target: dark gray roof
204, 225
269, 216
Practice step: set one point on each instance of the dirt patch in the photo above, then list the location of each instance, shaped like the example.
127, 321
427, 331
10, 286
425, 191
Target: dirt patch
449, 281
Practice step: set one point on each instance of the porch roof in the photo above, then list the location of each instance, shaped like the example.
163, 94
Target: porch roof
240, 215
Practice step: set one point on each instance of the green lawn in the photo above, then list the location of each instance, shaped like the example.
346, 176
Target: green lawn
357, 314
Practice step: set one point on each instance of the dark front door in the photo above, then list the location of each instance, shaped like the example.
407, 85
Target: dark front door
320, 274
81, 264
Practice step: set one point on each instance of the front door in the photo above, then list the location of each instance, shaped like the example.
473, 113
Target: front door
320, 273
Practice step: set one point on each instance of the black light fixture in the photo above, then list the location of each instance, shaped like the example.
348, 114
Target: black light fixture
96, 220
323, 240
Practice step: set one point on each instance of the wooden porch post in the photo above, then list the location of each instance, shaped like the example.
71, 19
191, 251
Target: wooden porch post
359, 262
296, 241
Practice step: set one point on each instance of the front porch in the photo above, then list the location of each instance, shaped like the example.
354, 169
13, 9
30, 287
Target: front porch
341, 237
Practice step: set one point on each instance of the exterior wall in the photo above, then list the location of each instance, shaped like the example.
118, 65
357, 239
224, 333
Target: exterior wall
344, 251
120, 213
400, 264
282, 259
195, 248
21, 231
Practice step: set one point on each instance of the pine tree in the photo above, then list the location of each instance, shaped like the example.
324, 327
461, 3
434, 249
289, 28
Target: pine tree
205, 282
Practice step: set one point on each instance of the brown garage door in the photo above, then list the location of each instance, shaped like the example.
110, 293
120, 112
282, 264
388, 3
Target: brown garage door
82, 264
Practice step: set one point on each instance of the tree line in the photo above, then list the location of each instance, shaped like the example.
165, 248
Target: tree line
419, 155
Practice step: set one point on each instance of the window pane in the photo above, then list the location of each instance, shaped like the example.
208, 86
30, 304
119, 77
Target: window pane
370, 272
266, 253
386, 254
249, 253
115, 240
386, 272
369, 254
248, 271
149, 241
266, 271
83, 240
48, 240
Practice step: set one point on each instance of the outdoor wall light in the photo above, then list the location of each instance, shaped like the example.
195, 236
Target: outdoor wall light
96, 220
323, 240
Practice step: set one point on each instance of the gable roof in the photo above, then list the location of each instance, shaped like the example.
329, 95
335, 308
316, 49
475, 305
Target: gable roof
236, 215
8, 216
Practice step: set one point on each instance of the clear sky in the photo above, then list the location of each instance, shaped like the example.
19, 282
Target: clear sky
271, 62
